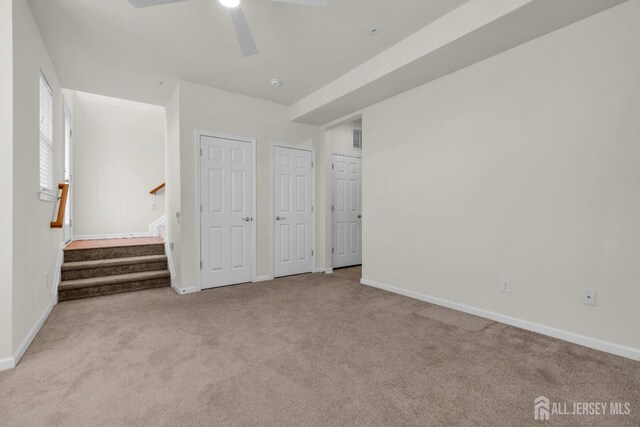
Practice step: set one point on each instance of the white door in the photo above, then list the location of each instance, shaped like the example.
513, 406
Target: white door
293, 211
67, 230
226, 219
346, 211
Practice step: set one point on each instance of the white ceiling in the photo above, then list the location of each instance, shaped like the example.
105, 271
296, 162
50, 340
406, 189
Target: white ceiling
475, 31
110, 48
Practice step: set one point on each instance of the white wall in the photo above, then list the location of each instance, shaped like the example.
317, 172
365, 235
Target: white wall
208, 109
524, 166
172, 173
118, 158
36, 250
6, 177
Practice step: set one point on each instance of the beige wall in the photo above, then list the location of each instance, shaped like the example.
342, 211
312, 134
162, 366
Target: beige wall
36, 251
6, 176
118, 151
524, 166
202, 108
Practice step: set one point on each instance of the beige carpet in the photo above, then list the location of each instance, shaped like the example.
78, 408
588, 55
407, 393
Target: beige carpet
307, 350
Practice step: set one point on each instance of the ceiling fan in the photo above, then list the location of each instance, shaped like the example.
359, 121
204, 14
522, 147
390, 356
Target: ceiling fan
245, 39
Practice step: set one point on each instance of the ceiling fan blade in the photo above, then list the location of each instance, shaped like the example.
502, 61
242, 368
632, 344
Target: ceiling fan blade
316, 3
147, 3
245, 39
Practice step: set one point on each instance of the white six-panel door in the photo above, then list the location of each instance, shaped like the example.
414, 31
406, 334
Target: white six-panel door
346, 211
226, 186
293, 211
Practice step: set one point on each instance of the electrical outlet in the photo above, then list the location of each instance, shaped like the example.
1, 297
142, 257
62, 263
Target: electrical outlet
589, 297
506, 286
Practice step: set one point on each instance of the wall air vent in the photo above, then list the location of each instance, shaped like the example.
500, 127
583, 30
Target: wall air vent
357, 139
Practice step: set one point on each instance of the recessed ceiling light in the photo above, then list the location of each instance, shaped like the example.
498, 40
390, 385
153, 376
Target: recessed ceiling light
275, 82
230, 3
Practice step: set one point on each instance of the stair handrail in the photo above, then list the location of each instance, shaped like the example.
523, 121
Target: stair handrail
59, 222
158, 188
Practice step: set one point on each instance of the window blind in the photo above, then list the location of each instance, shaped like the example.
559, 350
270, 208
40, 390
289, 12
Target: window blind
46, 135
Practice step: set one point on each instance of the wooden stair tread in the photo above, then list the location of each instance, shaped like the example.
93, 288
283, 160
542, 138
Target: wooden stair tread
111, 262
78, 245
112, 280
113, 252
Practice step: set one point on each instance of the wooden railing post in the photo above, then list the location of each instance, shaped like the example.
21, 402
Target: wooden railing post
62, 207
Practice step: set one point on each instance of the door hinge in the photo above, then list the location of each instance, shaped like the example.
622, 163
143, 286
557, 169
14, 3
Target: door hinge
201, 152
312, 252
333, 250
71, 132
311, 208
200, 208
332, 208
331, 165
311, 164
200, 265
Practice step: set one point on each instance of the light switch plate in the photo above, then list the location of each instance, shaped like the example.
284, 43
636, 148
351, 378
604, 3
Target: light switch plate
506, 286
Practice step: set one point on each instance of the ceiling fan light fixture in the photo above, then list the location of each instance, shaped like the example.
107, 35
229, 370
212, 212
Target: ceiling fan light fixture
230, 3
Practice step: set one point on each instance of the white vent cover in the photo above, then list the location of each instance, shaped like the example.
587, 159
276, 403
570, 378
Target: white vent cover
357, 139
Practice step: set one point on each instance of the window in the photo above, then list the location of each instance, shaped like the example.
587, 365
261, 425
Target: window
46, 137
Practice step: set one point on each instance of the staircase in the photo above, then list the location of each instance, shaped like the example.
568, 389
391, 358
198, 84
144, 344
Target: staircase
103, 267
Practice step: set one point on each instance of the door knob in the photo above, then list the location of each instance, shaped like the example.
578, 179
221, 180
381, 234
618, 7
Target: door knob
280, 218
359, 216
247, 219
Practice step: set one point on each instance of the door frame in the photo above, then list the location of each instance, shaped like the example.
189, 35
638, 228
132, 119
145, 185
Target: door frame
355, 156
66, 112
198, 159
272, 207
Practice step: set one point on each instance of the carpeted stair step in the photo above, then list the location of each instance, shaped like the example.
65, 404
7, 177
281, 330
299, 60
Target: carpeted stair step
110, 267
96, 286
91, 254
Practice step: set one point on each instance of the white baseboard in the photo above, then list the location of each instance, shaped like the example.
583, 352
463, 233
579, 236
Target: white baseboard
154, 227
26, 342
184, 291
57, 273
7, 363
328, 271
12, 362
153, 232
594, 343
111, 236
263, 279
172, 270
